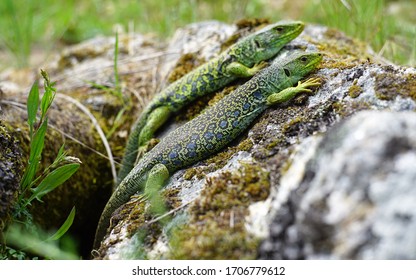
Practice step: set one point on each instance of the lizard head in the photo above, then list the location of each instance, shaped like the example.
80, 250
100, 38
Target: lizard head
298, 65
267, 42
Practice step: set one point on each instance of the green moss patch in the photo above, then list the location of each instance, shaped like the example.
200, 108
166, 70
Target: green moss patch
244, 28
216, 227
390, 85
217, 161
185, 64
355, 90
11, 168
340, 51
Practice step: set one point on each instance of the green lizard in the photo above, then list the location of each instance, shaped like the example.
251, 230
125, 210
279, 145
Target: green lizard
243, 59
213, 130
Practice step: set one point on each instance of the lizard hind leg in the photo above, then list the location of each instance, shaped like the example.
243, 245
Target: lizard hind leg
156, 180
240, 70
154, 121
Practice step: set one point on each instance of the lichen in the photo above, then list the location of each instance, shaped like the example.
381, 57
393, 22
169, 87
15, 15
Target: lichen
11, 167
193, 171
216, 226
388, 85
355, 90
340, 51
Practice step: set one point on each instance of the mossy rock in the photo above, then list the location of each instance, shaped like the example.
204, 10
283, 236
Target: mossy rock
214, 203
11, 169
83, 80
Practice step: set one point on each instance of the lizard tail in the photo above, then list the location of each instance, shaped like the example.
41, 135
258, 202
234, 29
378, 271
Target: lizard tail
130, 153
132, 184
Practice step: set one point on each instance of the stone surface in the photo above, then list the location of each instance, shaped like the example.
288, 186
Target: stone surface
285, 143
353, 194
10, 172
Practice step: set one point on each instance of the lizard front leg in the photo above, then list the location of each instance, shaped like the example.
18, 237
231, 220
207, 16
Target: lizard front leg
240, 70
290, 92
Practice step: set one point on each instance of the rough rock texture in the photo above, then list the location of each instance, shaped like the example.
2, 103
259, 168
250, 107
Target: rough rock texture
248, 201
353, 193
314, 178
10, 173
84, 73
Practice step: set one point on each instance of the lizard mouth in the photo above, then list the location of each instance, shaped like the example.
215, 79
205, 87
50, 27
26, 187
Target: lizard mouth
317, 59
299, 26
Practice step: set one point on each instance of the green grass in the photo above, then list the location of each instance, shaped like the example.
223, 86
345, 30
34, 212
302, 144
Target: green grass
28, 25
22, 238
387, 26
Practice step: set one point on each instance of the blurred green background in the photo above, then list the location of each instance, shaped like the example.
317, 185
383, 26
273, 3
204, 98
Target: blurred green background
31, 30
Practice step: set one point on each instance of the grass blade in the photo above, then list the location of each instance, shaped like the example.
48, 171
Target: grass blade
116, 76
53, 180
32, 106
49, 94
65, 226
36, 148
34, 243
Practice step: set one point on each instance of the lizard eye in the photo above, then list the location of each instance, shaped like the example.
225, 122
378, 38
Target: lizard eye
279, 29
257, 44
287, 72
303, 59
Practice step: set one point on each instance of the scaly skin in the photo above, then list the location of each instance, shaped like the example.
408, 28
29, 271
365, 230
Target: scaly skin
243, 59
213, 130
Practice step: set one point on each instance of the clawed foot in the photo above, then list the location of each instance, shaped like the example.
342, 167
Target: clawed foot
140, 153
258, 66
304, 86
290, 92
145, 148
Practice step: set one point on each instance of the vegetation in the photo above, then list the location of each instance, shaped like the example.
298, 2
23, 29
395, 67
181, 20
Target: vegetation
31, 26
22, 236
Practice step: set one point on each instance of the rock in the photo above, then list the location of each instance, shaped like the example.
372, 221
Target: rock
10, 173
353, 193
75, 70
278, 155
84, 73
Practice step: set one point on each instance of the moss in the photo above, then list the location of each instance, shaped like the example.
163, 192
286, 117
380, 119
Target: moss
244, 28
194, 171
217, 161
355, 90
216, 227
389, 85
340, 51
88, 189
134, 211
220, 160
252, 23
230, 41
170, 196
220, 95
274, 143
11, 169
339, 108
185, 64
293, 125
